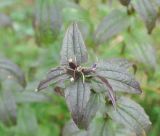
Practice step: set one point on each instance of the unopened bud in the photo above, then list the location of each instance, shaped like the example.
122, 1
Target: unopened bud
70, 60
72, 79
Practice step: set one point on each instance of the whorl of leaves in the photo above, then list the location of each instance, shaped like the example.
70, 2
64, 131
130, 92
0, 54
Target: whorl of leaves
86, 84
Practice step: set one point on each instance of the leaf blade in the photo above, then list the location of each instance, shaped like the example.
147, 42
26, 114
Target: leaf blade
77, 96
131, 115
147, 11
73, 46
109, 27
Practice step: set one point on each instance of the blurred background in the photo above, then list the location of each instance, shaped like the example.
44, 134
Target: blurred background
31, 35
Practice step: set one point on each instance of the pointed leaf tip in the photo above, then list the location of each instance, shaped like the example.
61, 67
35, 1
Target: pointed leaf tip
73, 46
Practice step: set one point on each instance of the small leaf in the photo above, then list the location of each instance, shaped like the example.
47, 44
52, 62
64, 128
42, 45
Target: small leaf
8, 108
147, 10
77, 96
13, 69
73, 46
131, 115
111, 25
118, 77
55, 75
125, 2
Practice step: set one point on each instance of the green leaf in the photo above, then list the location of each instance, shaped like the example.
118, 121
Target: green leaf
28, 97
106, 127
73, 46
77, 96
70, 129
142, 48
118, 77
8, 108
27, 122
125, 2
116, 22
147, 10
54, 76
131, 115
5, 21
13, 69
47, 21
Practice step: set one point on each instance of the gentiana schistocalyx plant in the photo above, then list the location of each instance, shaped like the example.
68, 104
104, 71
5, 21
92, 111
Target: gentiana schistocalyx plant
87, 88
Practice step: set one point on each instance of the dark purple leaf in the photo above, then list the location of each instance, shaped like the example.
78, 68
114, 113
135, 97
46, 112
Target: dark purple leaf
111, 25
125, 2
91, 109
120, 62
13, 69
77, 96
55, 75
147, 10
131, 115
73, 46
109, 88
118, 77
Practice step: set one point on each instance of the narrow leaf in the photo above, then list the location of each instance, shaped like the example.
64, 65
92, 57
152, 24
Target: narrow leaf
147, 10
111, 25
109, 89
77, 96
54, 76
73, 46
13, 69
131, 115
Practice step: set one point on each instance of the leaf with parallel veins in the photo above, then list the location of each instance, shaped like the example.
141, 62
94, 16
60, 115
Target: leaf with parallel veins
14, 70
111, 25
55, 75
131, 115
118, 77
147, 10
77, 96
73, 46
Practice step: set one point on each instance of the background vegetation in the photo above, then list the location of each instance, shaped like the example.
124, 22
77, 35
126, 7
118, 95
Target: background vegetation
31, 34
